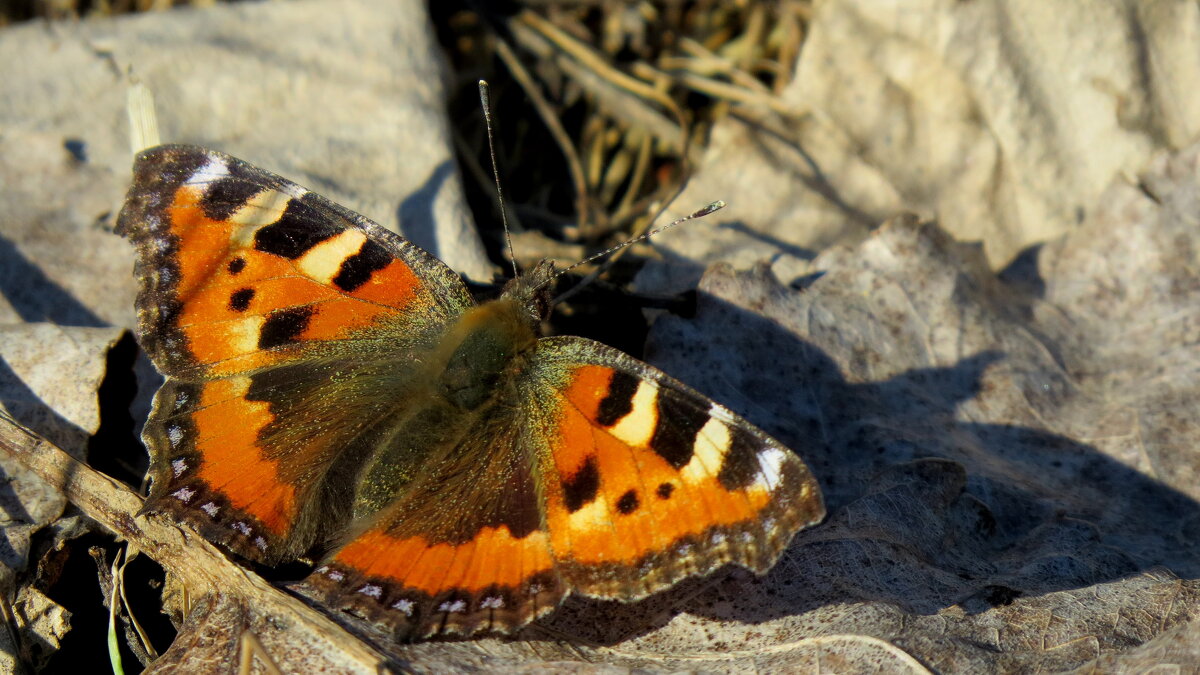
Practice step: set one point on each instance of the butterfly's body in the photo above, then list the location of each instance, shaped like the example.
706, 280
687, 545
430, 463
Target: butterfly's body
330, 386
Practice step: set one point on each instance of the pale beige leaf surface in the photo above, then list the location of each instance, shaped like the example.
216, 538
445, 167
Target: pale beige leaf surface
1003, 119
1011, 465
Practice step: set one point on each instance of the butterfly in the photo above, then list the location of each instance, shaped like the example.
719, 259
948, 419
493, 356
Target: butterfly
330, 386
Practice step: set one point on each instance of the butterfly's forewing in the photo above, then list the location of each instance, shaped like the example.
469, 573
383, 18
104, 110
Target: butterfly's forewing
264, 305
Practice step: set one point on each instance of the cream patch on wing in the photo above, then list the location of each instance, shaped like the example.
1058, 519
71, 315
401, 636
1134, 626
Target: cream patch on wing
708, 452
243, 335
264, 208
637, 427
593, 515
323, 262
239, 386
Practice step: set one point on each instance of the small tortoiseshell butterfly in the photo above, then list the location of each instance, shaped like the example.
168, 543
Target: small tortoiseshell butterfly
329, 384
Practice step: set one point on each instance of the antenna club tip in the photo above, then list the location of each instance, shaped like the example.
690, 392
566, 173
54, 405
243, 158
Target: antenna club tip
715, 206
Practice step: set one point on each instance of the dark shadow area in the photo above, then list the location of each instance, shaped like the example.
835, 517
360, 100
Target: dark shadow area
69, 575
108, 450
610, 314
35, 296
925, 511
78, 149
774, 242
416, 216
1023, 275
1024, 278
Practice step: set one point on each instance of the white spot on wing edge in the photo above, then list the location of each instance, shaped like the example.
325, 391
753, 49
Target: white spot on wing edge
213, 170
174, 436
211, 509
453, 607
492, 603
770, 463
178, 466
372, 591
292, 190
404, 606
184, 494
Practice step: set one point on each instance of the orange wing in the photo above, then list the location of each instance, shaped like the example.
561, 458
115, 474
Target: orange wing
272, 312
638, 482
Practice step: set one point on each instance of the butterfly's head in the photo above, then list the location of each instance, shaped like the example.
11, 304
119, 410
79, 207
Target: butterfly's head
533, 291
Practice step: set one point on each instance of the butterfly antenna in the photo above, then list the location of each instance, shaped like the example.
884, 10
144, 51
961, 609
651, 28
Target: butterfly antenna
715, 206
485, 101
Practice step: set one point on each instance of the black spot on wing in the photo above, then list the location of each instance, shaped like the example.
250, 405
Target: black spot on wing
358, 268
225, 196
664, 490
284, 326
581, 489
618, 402
675, 434
297, 231
628, 503
741, 461
236, 266
239, 300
